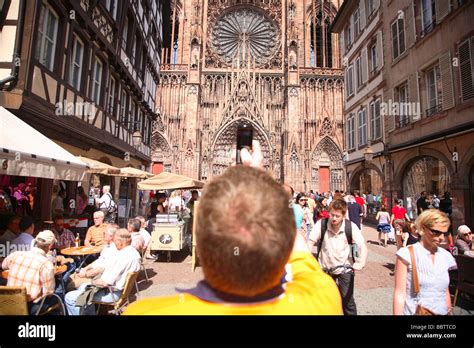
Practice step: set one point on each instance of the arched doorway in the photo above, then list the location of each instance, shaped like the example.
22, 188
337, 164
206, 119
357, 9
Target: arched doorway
425, 174
226, 141
369, 182
327, 172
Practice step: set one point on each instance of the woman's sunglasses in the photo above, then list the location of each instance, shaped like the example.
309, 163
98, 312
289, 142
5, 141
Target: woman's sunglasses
303, 200
437, 233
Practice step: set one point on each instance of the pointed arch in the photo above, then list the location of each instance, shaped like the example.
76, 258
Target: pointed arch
327, 158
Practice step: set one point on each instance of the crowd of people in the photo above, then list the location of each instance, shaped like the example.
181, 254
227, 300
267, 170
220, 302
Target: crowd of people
299, 257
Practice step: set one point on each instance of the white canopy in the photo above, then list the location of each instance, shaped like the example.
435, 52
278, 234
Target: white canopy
26, 152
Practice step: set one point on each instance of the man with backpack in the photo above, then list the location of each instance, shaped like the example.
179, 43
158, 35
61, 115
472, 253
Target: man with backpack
339, 241
107, 205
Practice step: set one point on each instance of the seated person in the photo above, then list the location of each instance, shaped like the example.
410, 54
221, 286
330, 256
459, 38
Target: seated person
126, 260
243, 249
134, 226
97, 267
25, 239
464, 241
12, 231
33, 270
95, 234
64, 236
146, 238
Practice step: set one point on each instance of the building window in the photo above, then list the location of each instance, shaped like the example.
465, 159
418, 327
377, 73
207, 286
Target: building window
47, 36
75, 71
123, 117
466, 68
433, 91
401, 94
111, 105
133, 113
428, 12
125, 35
350, 132
358, 72
133, 54
356, 23
376, 120
111, 6
373, 58
370, 6
398, 37
362, 127
96, 81
350, 81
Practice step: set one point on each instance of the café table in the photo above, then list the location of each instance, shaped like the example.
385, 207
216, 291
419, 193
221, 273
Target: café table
82, 252
57, 271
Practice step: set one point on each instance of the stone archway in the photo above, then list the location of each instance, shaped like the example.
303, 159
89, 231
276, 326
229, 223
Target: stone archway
161, 151
225, 141
327, 171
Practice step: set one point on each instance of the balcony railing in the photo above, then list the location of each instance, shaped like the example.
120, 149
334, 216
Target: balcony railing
426, 30
434, 110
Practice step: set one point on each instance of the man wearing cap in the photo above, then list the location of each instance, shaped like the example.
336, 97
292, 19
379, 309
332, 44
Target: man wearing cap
25, 240
33, 270
464, 241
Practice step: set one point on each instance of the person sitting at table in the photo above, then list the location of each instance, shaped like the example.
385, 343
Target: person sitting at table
25, 239
126, 260
97, 267
33, 270
95, 234
64, 236
12, 231
134, 226
146, 237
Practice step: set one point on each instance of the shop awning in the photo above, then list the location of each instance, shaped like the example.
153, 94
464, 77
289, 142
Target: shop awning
97, 167
26, 152
169, 181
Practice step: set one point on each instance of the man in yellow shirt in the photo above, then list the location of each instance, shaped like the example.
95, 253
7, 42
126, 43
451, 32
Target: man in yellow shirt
243, 248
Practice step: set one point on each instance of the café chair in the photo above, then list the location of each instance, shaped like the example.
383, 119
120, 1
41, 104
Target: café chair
465, 276
123, 301
14, 301
142, 267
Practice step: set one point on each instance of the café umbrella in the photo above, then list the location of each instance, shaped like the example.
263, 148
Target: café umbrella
169, 181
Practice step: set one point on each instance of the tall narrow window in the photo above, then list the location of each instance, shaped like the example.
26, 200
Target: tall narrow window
125, 35
321, 54
358, 72
350, 80
373, 58
466, 68
433, 91
376, 120
75, 70
356, 23
111, 101
402, 97
123, 107
398, 37
96, 80
47, 36
428, 8
111, 5
362, 122
350, 132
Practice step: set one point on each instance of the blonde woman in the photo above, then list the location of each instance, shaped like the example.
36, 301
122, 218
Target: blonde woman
432, 265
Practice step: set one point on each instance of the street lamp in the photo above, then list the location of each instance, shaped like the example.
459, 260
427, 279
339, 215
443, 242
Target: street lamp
136, 139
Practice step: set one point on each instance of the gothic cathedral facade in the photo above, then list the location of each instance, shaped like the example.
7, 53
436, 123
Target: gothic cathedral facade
273, 64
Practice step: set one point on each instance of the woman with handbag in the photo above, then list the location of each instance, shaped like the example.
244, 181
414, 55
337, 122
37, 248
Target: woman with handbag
421, 270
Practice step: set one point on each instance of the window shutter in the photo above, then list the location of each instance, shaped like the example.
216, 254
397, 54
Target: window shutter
379, 50
362, 15
443, 7
410, 26
465, 67
389, 118
352, 31
414, 97
365, 65
446, 80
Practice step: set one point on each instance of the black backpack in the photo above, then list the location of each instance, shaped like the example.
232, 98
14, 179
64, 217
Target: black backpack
347, 230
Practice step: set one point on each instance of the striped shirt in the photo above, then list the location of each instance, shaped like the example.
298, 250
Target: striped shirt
64, 240
32, 270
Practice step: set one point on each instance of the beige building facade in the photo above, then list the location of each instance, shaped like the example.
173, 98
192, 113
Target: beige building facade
427, 93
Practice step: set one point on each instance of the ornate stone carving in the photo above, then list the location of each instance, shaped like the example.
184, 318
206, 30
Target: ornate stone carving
327, 128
